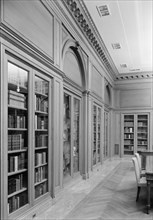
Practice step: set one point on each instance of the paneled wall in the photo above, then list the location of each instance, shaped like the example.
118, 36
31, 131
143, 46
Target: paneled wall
35, 23
134, 95
96, 82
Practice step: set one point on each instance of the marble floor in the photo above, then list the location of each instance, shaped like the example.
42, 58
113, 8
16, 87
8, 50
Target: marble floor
109, 193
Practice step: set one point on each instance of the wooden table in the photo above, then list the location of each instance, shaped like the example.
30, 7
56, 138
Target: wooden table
144, 155
149, 178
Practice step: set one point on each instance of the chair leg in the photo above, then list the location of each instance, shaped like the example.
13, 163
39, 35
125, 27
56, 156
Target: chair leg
138, 192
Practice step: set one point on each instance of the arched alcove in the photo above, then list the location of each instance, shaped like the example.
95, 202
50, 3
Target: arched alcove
73, 63
71, 67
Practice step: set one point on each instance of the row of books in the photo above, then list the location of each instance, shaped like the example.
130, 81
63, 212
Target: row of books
40, 174
16, 121
128, 142
142, 129
41, 122
15, 142
41, 104
40, 189
142, 124
128, 124
128, 136
142, 142
16, 202
17, 162
16, 99
40, 158
128, 130
15, 183
41, 87
41, 140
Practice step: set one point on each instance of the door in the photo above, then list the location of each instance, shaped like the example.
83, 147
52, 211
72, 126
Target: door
71, 135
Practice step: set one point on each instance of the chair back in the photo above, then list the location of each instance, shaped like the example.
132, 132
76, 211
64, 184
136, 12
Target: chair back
139, 160
136, 168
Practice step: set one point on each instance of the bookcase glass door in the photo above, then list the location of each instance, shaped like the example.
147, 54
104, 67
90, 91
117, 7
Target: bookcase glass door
142, 132
41, 136
96, 134
17, 137
76, 129
128, 134
105, 150
67, 136
71, 135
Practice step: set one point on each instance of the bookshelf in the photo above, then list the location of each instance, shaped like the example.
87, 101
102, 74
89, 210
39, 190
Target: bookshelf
41, 137
76, 129
136, 130
28, 126
129, 134
96, 151
71, 135
17, 137
106, 134
142, 132
67, 135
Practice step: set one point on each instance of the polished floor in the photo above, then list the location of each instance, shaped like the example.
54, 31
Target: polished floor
108, 194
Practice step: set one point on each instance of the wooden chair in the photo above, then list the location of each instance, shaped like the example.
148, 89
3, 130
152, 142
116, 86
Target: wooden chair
142, 172
141, 181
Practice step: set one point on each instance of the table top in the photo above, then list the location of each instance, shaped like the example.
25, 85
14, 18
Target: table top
146, 153
149, 164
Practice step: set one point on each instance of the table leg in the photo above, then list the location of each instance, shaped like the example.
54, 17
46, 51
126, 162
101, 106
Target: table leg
148, 196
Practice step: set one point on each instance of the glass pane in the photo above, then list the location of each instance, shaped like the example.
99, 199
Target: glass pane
99, 135
41, 136
142, 132
67, 136
76, 135
94, 134
105, 134
128, 134
17, 137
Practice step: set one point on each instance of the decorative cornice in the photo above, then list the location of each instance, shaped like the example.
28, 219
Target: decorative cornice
80, 14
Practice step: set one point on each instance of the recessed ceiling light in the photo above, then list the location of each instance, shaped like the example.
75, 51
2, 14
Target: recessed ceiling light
103, 10
116, 46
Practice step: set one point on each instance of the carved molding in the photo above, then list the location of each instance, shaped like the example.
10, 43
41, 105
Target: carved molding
135, 76
79, 12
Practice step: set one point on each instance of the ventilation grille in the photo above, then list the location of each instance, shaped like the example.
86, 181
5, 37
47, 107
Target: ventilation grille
116, 46
103, 10
123, 65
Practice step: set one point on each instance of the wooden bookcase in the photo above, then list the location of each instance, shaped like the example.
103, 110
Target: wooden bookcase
71, 135
135, 133
96, 149
28, 157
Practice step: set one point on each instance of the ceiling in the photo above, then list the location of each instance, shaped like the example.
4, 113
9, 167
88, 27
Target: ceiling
128, 25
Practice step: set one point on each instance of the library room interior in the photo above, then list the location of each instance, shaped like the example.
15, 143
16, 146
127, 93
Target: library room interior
76, 104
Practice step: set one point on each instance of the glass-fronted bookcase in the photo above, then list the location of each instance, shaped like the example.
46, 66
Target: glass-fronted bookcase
71, 135
28, 146
96, 149
136, 133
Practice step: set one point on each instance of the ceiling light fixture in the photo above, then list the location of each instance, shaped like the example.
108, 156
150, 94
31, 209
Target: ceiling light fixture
103, 10
116, 46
